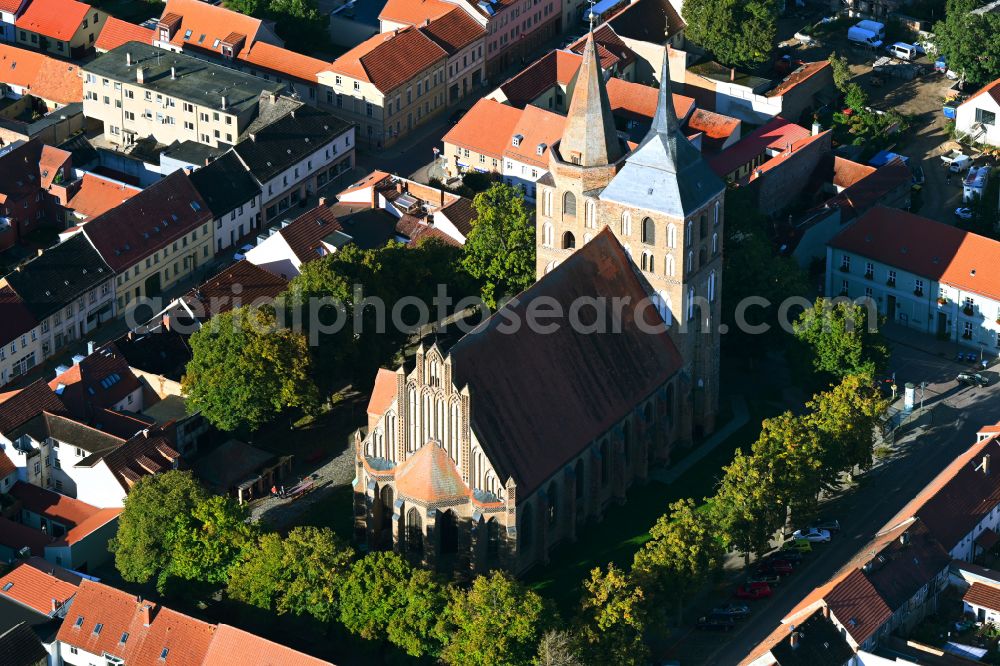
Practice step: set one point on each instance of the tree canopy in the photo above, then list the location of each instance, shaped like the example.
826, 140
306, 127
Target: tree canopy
969, 42
842, 339
613, 619
208, 542
500, 249
739, 33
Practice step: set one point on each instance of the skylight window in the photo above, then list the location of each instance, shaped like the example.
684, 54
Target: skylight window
201, 39
7, 586
187, 35
216, 44
163, 655
79, 621
195, 206
124, 638
97, 629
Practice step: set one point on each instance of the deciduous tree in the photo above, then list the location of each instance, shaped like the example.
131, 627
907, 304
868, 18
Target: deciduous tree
738, 33
613, 619
142, 545
744, 506
969, 41
841, 70
500, 249
681, 556
843, 338
846, 418
208, 542
558, 648
245, 370
497, 622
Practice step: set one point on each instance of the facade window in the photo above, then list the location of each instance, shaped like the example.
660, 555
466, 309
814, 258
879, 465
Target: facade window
918, 287
668, 267
986, 117
715, 244
671, 236
845, 263
626, 224
548, 235
967, 330
648, 231
869, 270
689, 236
718, 205
569, 204
891, 279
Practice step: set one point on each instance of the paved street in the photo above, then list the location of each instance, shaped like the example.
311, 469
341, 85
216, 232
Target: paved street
956, 413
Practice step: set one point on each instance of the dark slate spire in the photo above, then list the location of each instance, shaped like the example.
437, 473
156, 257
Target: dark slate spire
590, 138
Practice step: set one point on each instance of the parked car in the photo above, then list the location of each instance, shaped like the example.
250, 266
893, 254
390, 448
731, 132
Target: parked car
799, 544
712, 623
792, 557
241, 254
918, 175
812, 535
753, 591
774, 567
737, 611
830, 524
769, 578
972, 379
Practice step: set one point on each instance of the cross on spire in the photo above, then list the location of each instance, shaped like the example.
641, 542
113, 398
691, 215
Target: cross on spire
591, 15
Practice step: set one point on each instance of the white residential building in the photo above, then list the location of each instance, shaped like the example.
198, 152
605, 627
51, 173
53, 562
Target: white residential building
976, 117
233, 196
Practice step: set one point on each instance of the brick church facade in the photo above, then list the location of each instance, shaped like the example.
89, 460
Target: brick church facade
489, 452
663, 203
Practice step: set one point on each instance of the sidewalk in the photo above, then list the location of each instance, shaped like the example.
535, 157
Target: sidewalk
927, 343
740, 417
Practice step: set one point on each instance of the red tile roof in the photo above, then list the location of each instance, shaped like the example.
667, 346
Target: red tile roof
234, 647
306, 232
148, 222
185, 639
554, 68
847, 173
430, 475
857, 606
28, 403
19, 67
98, 195
487, 128
371, 180
7, 466
117, 32
38, 584
991, 89
416, 231
140, 456
538, 128
635, 99
79, 518
799, 76
612, 49
793, 150
927, 248
983, 595
58, 19
391, 59
47, 78
408, 12
282, 61
383, 393
242, 282
865, 193
102, 379
777, 134
454, 31
714, 127
208, 23
10, 6
15, 317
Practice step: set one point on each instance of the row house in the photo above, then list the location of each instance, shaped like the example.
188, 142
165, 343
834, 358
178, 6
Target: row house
310, 236
921, 274
10, 10
64, 28
138, 91
388, 85
25, 73
233, 197
299, 150
30, 178
514, 28
464, 40
34, 597
155, 239
69, 290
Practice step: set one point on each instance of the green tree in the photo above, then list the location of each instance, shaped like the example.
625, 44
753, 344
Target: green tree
739, 33
142, 546
789, 449
841, 71
969, 41
208, 542
497, 622
244, 370
842, 339
683, 553
846, 418
744, 506
248, 7
300, 574
613, 619
855, 97
500, 249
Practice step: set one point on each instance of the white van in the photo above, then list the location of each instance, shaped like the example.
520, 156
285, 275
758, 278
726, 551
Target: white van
873, 27
862, 36
903, 51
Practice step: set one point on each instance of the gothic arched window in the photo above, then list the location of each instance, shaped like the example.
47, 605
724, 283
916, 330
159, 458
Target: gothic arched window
648, 231
662, 300
689, 236
569, 204
590, 219
671, 236
715, 244
548, 235
626, 224
711, 287
668, 266
717, 207
568, 241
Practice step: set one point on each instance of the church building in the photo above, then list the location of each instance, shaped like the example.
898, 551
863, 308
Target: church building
664, 204
488, 452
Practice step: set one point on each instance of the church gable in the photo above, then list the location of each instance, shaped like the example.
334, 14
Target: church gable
539, 399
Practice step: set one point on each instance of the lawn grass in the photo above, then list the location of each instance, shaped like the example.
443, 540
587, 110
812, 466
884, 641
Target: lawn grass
133, 11
626, 527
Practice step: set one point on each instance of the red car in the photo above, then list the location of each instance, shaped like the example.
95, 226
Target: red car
753, 591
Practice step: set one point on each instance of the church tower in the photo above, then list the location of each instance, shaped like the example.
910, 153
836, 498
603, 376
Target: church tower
666, 205
583, 162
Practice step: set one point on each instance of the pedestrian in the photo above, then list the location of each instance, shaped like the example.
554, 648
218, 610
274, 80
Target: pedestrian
282, 490
274, 491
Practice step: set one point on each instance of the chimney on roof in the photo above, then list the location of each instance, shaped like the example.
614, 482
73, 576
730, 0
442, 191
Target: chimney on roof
322, 201
55, 604
442, 197
224, 102
427, 21
147, 614
904, 538
986, 465
826, 612
816, 128
732, 73
128, 58
173, 73
793, 640
400, 186
140, 74
90, 347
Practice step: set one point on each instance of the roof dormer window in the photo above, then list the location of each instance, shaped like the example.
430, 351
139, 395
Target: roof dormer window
541, 148
517, 140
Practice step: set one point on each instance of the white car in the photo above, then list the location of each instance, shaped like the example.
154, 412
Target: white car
242, 253
812, 535
963, 213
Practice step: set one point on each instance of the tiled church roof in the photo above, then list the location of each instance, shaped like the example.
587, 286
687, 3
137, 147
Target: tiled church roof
429, 475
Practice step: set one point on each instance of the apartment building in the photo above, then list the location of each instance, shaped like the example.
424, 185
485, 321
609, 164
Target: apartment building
464, 40
69, 291
233, 196
922, 274
388, 85
138, 91
9, 11
155, 239
292, 152
65, 28
27, 174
